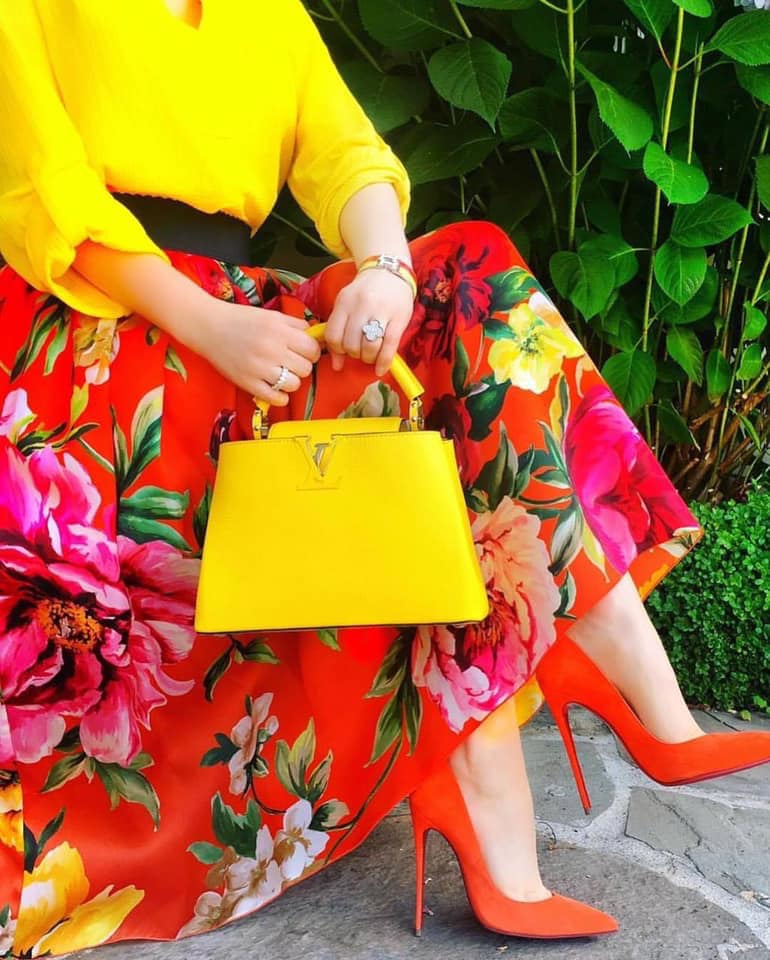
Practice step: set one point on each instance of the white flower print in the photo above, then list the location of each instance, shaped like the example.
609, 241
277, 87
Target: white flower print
251, 883
297, 846
249, 735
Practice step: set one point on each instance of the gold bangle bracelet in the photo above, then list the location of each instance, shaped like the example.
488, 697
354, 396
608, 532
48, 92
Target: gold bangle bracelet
399, 268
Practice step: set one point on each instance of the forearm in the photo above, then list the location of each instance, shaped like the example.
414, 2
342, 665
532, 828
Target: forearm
370, 223
149, 286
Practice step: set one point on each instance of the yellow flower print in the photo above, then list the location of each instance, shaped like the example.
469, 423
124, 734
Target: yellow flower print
534, 355
55, 918
11, 817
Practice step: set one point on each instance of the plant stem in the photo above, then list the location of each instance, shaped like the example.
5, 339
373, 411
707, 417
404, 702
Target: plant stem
694, 101
358, 44
573, 173
460, 19
347, 827
303, 233
548, 193
658, 193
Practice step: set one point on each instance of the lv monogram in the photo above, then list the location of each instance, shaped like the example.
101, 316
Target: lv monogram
319, 458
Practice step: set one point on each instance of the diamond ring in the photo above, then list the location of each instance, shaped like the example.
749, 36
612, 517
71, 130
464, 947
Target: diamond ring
282, 378
373, 330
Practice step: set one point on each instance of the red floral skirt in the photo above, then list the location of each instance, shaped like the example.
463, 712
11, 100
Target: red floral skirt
155, 784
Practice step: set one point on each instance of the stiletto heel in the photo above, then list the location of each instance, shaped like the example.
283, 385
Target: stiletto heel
420, 842
562, 722
438, 804
568, 676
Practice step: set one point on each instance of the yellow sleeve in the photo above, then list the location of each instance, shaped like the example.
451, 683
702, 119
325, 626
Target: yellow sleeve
338, 151
51, 199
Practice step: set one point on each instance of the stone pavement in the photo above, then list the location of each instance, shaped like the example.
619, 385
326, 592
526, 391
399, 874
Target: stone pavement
685, 870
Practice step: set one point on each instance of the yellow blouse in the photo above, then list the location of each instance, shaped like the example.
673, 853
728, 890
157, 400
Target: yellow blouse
123, 93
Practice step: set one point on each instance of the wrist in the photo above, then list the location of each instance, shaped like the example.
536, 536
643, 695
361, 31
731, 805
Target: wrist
395, 265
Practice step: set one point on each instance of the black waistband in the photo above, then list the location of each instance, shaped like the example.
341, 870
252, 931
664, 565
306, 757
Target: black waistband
174, 225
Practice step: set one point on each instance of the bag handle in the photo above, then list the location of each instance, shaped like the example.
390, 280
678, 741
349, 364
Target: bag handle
404, 376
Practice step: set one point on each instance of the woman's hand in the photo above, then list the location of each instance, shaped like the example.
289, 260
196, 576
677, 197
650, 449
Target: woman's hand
374, 294
248, 345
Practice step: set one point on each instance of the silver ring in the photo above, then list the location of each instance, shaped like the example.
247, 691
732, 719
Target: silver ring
373, 330
282, 378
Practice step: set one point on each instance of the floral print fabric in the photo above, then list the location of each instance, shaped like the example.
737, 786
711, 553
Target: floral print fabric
133, 753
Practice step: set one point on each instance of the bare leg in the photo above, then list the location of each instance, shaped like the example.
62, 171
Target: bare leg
489, 767
620, 638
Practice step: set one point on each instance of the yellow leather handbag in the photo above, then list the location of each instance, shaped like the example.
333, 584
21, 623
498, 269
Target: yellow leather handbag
339, 522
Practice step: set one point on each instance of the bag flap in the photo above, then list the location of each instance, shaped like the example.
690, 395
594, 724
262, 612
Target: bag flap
321, 431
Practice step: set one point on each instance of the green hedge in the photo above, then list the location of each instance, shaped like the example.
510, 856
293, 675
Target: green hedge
713, 611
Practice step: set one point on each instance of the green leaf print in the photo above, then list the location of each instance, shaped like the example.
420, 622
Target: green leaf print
221, 754
329, 639
123, 783
201, 516
48, 318
64, 770
144, 530
328, 815
205, 853
460, 369
510, 288
156, 503
174, 363
484, 406
145, 439
567, 539
498, 476
234, 830
402, 714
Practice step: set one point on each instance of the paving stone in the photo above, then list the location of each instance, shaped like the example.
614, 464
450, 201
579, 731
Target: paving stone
726, 844
361, 909
553, 787
583, 722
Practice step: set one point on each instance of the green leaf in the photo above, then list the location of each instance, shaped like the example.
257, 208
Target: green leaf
215, 673
698, 8
485, 405
745, 38
412, 703
389, 727
534, 118
654, 15
619, 254
755, 80
144, 530
680, 271
497, 476
696, 309
673, 424
460, 368
763, 180
233, 830
631, 377
718, 375
630, 123
510, 288
301, 755
282, 767
751, 362
498, 330
567, 539
472, 75
407, 24
145, 434
680, 182
751, 430
393, 667
756, 323
220, 754
56, 346
319, 779
64, 770
201, 516
390, 100
49, 830
685, 347
259, 652
329, 639
129, 785
585, 279
156, 502
174, 363
329, 814
205, 853
435, 152
710, 221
